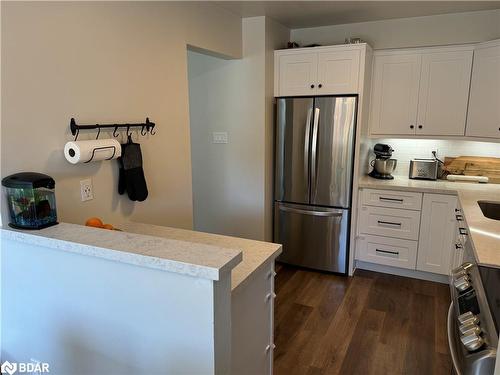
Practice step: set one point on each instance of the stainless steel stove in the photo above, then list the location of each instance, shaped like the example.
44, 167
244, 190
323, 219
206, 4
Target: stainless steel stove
474, 316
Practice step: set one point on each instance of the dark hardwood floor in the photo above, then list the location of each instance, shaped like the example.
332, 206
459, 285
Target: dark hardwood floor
371, 323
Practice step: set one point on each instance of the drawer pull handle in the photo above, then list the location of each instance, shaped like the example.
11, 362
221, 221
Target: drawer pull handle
391, 199
380, 222
270, 295
269, 347
458, 246
387, 252
271, 274
462, 231
459, 217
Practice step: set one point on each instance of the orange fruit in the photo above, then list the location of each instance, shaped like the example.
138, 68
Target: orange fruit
108, 226
94, 222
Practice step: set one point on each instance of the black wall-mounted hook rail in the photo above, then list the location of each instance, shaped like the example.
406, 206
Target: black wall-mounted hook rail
146, 127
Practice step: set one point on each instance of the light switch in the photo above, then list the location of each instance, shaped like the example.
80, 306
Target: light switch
219, 137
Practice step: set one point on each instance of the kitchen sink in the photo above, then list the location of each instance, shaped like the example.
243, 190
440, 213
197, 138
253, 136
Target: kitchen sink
491, 210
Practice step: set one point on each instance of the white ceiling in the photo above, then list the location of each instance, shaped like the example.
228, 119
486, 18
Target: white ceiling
298, 14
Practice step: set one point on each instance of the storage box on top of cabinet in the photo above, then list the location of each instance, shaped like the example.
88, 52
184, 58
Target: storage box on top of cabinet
329, 70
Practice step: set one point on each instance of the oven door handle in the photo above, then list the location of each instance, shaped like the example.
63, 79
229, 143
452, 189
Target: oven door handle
451, 329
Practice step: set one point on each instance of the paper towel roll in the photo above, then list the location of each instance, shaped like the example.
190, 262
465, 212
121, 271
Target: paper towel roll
100, 149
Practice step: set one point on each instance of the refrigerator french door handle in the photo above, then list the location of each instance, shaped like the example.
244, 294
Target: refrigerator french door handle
314, 144
311, 213
306, 145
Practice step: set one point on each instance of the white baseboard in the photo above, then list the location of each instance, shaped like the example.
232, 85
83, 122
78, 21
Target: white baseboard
402, 272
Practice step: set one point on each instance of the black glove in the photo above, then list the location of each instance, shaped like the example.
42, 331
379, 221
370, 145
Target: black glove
131, 175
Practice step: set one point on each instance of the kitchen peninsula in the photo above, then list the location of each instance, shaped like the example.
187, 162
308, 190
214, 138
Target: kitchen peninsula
146, 299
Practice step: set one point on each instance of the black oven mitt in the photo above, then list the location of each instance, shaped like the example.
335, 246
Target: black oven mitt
131, 175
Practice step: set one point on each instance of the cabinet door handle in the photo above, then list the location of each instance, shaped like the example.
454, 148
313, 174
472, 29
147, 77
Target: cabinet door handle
412, 126
387, 252
312, 86
320, 85
459, 217
271, 274
269, 347
420, 126
462, 231
380, 222
270, 295
457, 210
458, 246
399, 200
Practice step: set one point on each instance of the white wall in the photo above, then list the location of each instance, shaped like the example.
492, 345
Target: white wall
232, 183
123, 319
106, 62
409, 32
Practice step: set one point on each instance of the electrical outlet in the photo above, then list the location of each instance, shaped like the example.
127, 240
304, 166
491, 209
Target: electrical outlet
86, 190
219, 137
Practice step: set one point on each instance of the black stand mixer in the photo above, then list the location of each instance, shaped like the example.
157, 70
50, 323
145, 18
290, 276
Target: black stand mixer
383, 165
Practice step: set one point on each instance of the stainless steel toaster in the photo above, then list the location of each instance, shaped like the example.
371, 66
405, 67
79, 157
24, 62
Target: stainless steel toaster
423, 169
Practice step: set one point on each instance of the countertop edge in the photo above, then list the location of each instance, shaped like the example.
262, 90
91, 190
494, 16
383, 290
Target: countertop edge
122, 256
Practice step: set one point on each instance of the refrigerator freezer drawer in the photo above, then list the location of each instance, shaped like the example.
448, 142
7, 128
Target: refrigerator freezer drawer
313, 237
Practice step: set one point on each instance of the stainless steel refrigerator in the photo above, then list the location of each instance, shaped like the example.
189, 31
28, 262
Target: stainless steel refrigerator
313, 181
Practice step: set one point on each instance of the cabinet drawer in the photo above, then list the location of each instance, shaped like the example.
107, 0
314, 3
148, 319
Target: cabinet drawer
391, 199
389, 251
389, 222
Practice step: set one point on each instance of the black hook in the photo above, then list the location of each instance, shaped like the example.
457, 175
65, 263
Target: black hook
76, 135
144, 130
98, 132
115, 134
128, 129
152, 132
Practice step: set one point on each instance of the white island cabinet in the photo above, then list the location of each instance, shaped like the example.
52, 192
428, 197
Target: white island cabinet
146, 300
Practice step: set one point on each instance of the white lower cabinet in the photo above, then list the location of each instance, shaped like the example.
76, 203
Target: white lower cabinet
388, 251
437, 233
423, 238
390, 222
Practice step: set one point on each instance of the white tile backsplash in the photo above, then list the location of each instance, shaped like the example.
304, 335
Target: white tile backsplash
407, 149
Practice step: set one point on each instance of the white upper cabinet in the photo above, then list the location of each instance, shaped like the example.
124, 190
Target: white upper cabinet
298, 73
338, 72
312, 71
484, 104
437, 233
420, 91
444, 92
394, 97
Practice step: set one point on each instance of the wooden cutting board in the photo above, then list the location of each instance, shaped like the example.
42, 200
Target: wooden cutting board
474, 166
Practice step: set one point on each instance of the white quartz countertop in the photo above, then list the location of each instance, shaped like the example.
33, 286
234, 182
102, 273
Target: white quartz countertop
255, 253
193, 258
484, 232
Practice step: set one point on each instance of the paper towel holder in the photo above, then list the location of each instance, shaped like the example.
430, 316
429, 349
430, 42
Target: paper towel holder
146, 127
101, 148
